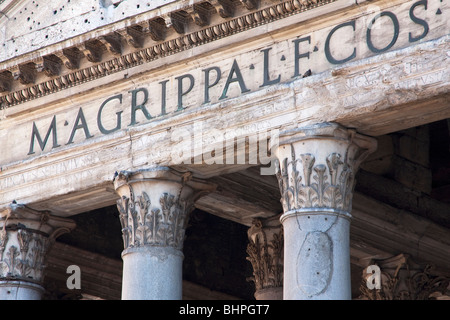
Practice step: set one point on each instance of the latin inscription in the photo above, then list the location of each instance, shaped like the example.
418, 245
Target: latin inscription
307, 54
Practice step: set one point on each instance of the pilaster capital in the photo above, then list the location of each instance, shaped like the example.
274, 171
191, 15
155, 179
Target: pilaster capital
26, 235
265, 252
401, 278
154, 205
317, 165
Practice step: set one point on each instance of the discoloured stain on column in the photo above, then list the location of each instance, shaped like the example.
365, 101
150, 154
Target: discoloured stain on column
315, 256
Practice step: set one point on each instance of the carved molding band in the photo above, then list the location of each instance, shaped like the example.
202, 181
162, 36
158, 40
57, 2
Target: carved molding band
403, 279
154, 206
317, 165
70, 57
265, 253
26, 236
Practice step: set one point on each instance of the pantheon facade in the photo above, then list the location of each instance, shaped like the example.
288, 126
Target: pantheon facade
224, 149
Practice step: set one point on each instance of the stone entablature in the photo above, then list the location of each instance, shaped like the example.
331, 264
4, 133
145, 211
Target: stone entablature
169, 30
77, 138
36, 24
76, 151
126, 45
272, 106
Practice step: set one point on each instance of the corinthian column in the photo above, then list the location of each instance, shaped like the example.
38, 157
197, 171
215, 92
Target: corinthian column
316, 175
265, 253
154, 206
26, 236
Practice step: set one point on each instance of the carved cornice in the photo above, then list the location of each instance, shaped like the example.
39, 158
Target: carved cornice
265, 253
26, 236
63, 66
403, 279
318, 165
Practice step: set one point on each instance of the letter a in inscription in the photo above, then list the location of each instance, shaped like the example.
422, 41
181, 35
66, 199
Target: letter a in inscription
234, 70
80, 123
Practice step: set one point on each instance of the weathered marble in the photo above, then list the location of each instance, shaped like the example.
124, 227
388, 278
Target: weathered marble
26, 236
154, 209
316, 176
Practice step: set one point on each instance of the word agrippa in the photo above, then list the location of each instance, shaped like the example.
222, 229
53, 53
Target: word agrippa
249, 71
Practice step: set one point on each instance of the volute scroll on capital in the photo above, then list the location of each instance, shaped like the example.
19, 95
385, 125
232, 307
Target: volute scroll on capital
154, 205
316, 166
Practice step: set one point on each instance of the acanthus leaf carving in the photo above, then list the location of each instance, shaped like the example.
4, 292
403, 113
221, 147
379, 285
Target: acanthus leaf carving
265, 253
402, 279
70, 57
200, 14
304, 184
144, 223
26, 235
26, 260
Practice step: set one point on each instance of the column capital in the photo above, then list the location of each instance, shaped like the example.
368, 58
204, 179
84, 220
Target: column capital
317, 165
265, 253
154, 205
401, 278
26, 235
